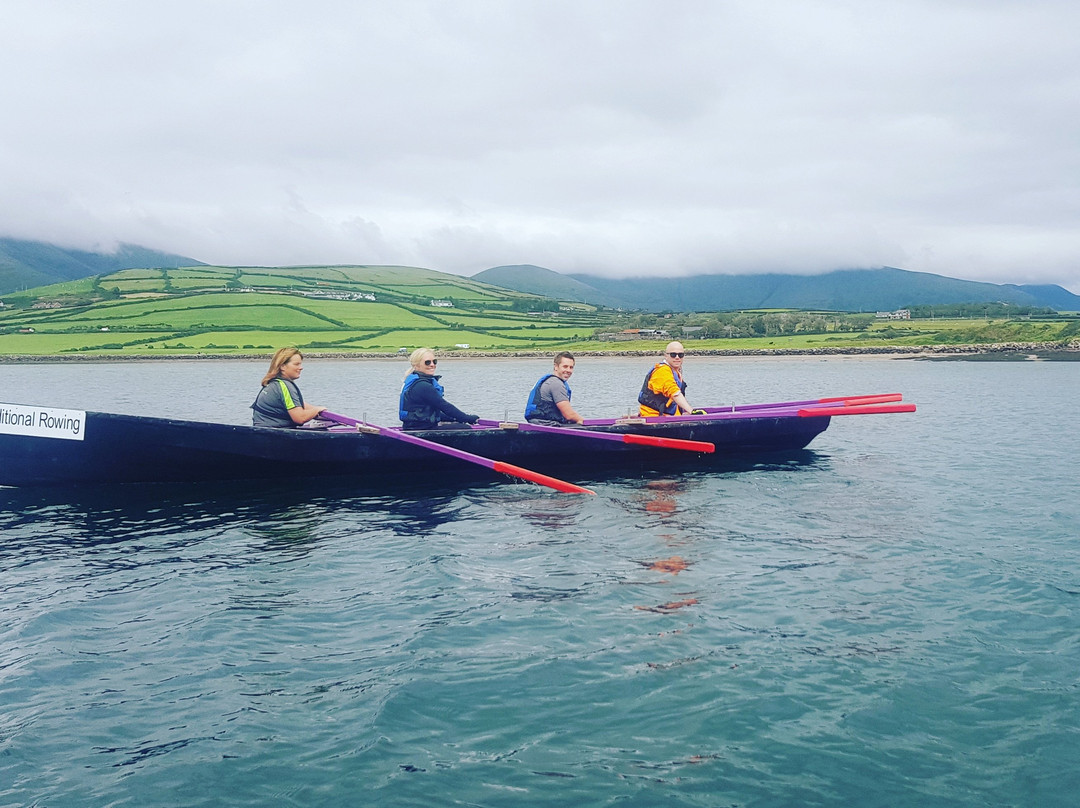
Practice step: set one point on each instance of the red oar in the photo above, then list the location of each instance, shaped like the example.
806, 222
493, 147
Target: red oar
866, 409
494, 465
643, 440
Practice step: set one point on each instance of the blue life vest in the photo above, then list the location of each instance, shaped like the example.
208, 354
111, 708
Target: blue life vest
650, 398
407, 411
547, 410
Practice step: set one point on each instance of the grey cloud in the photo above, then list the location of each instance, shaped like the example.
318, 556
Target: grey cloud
610, 137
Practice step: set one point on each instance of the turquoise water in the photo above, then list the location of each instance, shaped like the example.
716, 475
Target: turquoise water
890, 618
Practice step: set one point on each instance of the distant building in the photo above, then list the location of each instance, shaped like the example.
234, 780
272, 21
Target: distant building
442, 304
340, 295
899, 314
634, 333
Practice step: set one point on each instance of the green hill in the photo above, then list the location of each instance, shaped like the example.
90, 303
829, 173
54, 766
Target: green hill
247, 311
223, 310
28, 264
851, 290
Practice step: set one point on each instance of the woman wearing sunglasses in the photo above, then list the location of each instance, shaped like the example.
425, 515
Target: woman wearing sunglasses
664, 389
422, 405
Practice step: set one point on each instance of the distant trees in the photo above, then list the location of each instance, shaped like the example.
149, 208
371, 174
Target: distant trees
535, 305
985, 310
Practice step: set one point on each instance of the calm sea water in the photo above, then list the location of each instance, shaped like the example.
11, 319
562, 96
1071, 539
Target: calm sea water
891, 619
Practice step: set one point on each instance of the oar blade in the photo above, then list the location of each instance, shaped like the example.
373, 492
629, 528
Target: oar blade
671, 443
868, 409
858, 401
537, 477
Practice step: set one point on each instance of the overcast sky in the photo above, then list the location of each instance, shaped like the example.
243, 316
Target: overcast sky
607, 136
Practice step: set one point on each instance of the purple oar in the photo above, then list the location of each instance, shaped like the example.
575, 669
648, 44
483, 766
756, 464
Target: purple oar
849, 401
494, 465
772, 411
780, 412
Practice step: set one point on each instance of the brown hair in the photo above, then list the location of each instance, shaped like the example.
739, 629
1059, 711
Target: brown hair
282, 356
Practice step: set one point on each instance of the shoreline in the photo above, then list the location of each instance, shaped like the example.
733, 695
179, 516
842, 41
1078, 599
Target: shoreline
1008, 351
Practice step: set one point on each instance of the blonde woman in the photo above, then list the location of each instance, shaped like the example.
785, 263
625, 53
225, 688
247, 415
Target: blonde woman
280, 403
422, 405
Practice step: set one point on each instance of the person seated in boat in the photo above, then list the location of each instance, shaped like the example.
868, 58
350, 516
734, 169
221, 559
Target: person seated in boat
549, 401
279, 402
422, 405
664, 390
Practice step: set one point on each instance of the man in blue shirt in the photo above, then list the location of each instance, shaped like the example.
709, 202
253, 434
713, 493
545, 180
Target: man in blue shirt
549, 400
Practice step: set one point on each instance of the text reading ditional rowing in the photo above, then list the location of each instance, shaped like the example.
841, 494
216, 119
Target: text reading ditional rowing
41, 422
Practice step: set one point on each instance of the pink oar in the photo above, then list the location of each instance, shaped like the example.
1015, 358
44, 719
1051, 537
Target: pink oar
642, 440
850, 401
867, 409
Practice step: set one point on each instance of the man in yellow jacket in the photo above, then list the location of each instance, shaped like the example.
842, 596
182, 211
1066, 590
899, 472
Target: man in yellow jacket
664, 390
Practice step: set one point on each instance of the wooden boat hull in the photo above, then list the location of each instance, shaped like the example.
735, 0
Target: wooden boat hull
136, 449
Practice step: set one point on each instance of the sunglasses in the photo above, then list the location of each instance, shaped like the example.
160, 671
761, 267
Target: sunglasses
430, 362
677, 354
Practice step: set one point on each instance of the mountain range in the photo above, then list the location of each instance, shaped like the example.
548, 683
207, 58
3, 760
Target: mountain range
29, 264
884, 289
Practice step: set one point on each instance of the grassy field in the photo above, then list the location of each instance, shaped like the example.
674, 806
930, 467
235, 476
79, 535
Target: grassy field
379, 310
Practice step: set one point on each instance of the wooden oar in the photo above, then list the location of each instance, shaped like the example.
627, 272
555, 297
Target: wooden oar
469, 457
848, 401
642, 440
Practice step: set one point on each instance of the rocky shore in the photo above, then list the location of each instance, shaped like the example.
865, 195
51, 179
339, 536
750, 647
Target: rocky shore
1005, 351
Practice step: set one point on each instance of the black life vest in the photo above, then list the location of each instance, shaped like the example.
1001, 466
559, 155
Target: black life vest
654, 400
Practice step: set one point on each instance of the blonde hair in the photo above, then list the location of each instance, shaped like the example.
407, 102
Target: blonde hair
281, 357
416, 358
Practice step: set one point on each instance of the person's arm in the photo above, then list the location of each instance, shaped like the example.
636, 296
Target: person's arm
681, 403
426, 394
569, 413
301, 415
670, 388
452, 413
